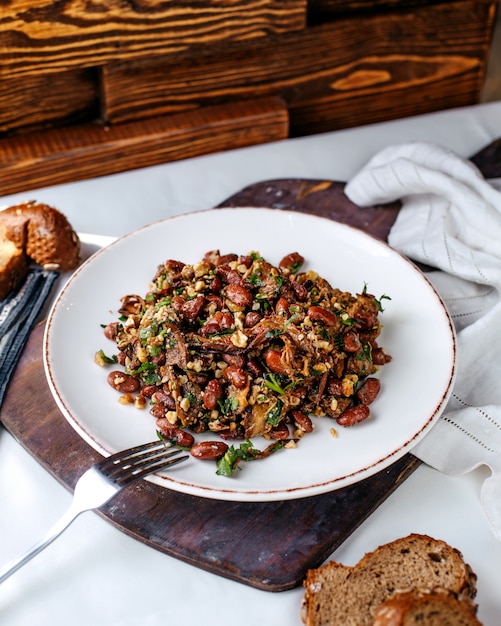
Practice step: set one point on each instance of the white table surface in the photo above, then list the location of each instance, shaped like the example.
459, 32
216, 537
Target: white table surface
96, 575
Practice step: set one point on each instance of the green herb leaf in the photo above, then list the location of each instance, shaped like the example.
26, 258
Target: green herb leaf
229, 462
274, 333
275, 413
275, 382
255, 280
279, 280
228, 405
107, 359
379, 304
290, 320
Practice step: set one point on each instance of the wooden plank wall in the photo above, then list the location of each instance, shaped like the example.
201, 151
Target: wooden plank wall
194, 78
48, 36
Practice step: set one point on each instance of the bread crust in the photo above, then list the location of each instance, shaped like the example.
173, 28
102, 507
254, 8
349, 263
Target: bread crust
44, 233
438, 606
13, 261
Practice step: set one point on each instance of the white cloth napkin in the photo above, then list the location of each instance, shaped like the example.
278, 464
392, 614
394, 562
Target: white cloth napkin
451, 220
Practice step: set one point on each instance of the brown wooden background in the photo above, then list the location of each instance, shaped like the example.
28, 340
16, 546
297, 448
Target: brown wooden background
106, 87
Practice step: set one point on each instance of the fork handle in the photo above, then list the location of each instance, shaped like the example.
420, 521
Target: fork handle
63, 522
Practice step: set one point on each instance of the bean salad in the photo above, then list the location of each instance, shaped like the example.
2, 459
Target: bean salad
240, 348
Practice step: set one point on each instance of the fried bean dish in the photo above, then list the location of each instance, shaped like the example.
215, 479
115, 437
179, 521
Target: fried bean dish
241, 348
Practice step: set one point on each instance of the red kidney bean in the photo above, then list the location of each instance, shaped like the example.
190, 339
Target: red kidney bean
319, 314
158, 411
245, 260
224, 259
211, 257
235, 359
251, 319
218, 322
254, 368
366, 319
226, 319
280, 432
215, 300
125, 383
199, 378
272, 358
353, 415
231, 277
148, 390
216, 285
184, 439
368, 393
162, 397
210, 327
300, 291
111, 331
299, 392
239, 295
177, 303
379, 356
292, 262
169, 431
212, 392
166, 429
351, 341
158, 359
302, 421
121, 358
282, 307
209, 450
174, 266
192, 308
230, 434
236, 376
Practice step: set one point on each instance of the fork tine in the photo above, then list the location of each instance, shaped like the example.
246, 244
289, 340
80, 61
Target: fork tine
129, 465
165, 461
140, 450
132, 455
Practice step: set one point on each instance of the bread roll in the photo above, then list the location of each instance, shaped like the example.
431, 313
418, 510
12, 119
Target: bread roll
34, 232
13, 261
49, 240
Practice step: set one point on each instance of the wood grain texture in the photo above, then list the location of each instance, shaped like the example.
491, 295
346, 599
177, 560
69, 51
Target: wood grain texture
40, 101
367, 61
370, 106
317, 197
334, 75
45, 36
362, 66
80, 152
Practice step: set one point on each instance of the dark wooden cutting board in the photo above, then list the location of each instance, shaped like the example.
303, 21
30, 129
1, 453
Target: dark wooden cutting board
265, 545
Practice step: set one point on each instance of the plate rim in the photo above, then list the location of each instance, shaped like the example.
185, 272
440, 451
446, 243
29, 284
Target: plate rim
257, 495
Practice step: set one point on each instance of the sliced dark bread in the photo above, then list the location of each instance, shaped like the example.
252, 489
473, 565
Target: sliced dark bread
337, 594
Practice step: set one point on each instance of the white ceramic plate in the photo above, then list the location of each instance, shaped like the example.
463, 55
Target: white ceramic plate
417, 333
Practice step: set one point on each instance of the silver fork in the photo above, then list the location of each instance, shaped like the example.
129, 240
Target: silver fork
100, 483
